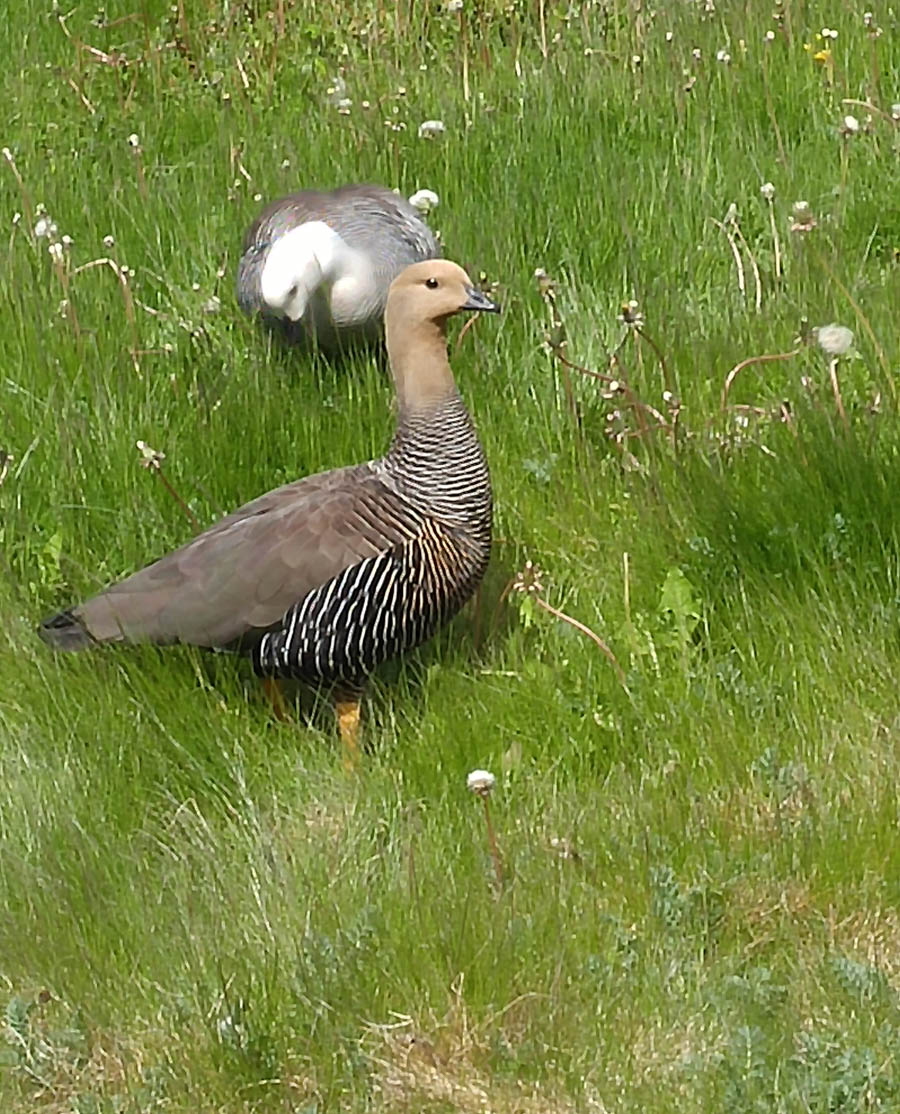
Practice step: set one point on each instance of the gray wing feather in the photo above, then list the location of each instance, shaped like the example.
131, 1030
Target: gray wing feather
233, 582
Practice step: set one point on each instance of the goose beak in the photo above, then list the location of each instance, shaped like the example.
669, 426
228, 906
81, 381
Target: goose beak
475, 300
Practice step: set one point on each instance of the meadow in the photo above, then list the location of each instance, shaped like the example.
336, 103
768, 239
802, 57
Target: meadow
689, 698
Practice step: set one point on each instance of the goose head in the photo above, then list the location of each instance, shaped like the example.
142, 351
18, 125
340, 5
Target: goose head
298, 264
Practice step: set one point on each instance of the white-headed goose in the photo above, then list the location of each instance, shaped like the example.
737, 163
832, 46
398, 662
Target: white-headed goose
317, 265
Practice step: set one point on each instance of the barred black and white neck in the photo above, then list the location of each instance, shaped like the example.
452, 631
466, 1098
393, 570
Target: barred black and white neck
437, 462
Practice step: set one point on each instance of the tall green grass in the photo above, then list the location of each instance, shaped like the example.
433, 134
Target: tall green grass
200, 911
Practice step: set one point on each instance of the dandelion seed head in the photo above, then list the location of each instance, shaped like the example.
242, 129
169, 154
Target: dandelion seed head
723, 56
481, 782
46, 228
767, 190
431, 129
829, 33
833, 339
851, 125
134, 140
109, 241
528, 579
424, 201
769, 36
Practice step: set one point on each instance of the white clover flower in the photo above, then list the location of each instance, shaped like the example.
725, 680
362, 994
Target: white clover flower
868, 18
67, 241
723, 56
285, 164
769, 36
696, 54
895, 111
767, 190
480, 782
16, 217
134, 140
344, 105
454, 5
212, 305
829, 33
636, 59
431, 129
57, 251
851, 125
833, 339
670, 35
109, 241
424, 201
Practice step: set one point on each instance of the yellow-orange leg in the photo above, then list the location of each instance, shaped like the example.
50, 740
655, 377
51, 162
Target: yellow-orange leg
347, 710
275, 695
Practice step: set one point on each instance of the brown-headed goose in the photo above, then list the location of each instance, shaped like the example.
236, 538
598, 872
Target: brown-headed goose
317, 265
325, 578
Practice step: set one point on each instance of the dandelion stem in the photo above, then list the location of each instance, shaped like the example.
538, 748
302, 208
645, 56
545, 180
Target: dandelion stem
836, 389
738, 368
604, 649
738, 263
157, 468
127, 300
776, 242
667, 379
23, 192
633, 399
863, 320
492, 843
757, 300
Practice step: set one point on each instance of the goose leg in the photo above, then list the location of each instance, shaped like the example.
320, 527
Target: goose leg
275, 695
346, 707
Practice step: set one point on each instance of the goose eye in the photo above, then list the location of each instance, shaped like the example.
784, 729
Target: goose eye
292, 293
431, 283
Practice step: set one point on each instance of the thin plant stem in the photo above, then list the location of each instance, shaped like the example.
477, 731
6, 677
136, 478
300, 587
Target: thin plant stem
738, 368
776, 242
863, 320
836, 390
735, 251
604, 649
492, 843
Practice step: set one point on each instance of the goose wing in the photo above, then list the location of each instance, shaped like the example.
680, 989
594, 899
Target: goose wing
228, 585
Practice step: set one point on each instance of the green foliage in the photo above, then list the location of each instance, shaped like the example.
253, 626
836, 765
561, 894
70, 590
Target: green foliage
701, 881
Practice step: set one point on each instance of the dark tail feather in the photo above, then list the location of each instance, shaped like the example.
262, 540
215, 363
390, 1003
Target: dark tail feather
63, 632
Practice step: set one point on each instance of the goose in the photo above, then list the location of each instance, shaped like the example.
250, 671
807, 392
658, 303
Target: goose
317, 265
325, 578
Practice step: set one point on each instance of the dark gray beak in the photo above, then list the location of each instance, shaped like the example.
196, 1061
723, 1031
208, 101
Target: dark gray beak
478, 301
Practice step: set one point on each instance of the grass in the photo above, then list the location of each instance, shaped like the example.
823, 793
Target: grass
200, 911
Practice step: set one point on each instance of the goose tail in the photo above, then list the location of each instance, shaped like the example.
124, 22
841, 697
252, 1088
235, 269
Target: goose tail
63, 631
